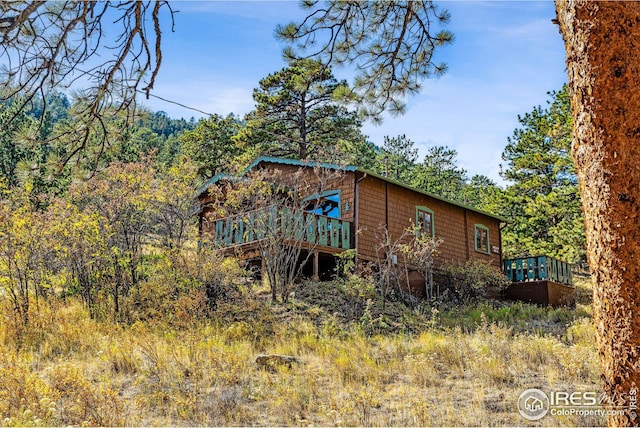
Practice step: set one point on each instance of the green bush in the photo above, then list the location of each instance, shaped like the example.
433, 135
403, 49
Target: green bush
471, 281
181, 288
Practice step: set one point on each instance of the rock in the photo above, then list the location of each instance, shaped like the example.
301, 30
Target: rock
271, 361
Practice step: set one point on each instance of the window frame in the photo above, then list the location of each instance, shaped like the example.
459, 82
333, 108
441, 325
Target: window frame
317, 197
481, 227
428, 210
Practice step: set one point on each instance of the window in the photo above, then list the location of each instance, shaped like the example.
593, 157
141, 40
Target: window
327, 204
424, 221
481, 238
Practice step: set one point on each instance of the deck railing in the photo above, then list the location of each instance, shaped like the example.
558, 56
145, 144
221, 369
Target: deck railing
282, 222
538, 269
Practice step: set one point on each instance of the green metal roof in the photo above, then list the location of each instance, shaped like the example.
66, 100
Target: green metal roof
296, 162
213, 180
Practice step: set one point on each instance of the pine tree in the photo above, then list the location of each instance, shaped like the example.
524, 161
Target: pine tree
14, 127
397, 158
483, 193
440, 174
543, 203
391, 43
210, 145
298, 114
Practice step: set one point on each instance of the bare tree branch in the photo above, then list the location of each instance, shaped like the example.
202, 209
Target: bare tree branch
63, 44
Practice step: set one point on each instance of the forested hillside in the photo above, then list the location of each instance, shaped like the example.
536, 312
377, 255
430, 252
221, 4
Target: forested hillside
112, 308
94, 220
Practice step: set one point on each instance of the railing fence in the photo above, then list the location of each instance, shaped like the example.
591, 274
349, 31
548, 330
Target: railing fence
540, 268
278, 221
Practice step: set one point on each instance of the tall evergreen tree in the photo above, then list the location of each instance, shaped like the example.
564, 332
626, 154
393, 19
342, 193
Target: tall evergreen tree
543, 203
538, 154
391, 43
397, 157
133, 144
14, 130
163, 125
49, 110
298, 114
483, 193
356, 151
210, 144
440, 174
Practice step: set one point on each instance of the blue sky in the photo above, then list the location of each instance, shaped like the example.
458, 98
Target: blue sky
505, 58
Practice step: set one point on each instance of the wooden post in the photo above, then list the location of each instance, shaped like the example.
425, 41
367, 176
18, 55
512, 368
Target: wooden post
316, 262
263, 273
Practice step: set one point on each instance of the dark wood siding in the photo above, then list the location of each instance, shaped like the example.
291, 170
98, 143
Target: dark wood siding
342, 181
380, 202
541, 292
286, 174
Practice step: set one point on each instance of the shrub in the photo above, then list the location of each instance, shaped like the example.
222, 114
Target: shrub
398, 257
358, 286
83, 402
25, 399
182, 287
475, 279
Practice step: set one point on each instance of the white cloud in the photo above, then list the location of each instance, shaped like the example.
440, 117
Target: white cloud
237, 100
506, 56
463, 114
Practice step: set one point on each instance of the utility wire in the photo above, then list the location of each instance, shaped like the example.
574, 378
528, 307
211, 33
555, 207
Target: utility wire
174, 102
148, 94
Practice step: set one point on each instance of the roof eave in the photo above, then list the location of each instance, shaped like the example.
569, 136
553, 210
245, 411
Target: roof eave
431, 195
295, 162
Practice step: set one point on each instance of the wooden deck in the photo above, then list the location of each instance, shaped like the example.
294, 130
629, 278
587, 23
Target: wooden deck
541, 280
542, 293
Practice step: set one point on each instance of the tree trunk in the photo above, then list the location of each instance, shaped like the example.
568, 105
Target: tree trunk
602, 41
302, 129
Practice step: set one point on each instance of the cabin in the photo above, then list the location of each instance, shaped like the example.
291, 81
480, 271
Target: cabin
349, 213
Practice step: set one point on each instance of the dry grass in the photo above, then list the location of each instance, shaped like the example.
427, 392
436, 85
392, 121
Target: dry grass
415, 367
